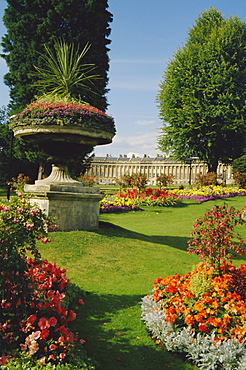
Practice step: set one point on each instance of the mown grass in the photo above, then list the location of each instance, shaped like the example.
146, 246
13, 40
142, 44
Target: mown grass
116, 266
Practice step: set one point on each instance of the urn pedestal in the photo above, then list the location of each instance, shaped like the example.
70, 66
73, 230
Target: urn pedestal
74, 206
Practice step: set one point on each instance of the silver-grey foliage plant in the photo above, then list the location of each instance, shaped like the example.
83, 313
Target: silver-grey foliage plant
206, 354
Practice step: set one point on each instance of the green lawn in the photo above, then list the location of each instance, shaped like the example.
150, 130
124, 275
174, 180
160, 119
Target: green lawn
116, 265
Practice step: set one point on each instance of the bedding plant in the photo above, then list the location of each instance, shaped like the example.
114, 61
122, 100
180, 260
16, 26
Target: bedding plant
203, 313
211, 192
151, 197
36, 298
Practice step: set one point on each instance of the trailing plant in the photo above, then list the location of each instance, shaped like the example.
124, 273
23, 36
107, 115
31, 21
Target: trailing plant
63, 113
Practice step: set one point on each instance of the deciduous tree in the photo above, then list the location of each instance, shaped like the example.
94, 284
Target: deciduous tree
202, 95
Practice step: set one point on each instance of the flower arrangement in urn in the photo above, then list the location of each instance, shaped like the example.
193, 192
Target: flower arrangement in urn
62, 124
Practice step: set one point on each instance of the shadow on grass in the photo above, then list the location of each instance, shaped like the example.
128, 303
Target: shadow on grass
116, 337
178, 242
109, 229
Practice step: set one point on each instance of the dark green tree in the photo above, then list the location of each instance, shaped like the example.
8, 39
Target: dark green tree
13, 159
202, 95
239, 165
32, 23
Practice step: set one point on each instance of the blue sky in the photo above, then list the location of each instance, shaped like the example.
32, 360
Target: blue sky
144, 35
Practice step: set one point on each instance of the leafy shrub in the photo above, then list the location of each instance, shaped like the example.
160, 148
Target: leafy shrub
240, 179
213, 236
18, 183
164, 180
137, 180
89, 180
201, 280
32, 315
209, 178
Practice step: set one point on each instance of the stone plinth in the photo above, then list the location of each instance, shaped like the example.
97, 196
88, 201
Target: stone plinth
75, 207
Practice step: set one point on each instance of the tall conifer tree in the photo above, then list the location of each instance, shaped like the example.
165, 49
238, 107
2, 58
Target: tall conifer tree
32, 23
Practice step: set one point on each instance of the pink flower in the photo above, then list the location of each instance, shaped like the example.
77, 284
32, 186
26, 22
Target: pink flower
3, 360
80, 301
45, 240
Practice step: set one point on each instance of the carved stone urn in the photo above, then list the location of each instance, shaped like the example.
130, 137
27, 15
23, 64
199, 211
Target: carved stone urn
63, 131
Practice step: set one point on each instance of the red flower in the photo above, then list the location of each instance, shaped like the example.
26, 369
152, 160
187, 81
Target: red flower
203, 328
52, 321
43, 323
31, 319
44, 334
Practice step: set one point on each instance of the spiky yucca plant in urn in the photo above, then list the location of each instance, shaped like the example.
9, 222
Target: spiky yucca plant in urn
61, 124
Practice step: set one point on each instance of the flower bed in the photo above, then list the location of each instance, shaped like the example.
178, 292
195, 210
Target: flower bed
118, 205
151, 197
36, 298
206, 193
203, 313
50, 113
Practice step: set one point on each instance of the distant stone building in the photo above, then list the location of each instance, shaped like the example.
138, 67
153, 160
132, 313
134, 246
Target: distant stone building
107, 168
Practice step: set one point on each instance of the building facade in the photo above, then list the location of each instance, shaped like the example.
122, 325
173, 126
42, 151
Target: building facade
107, 168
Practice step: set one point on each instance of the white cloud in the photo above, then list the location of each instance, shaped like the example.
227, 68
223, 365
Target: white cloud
138, 144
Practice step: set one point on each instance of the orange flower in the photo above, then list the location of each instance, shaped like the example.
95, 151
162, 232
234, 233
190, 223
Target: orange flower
216, 322
189, 320
52, 347
199, 317
215, 304
198, 306
171, 289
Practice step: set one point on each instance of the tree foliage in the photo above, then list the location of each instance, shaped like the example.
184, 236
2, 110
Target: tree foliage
239, 165
32, 23
202, 95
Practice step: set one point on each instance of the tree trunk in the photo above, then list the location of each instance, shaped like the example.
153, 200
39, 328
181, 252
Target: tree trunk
212, 165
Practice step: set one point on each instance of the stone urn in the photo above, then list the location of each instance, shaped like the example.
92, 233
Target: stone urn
63, 131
